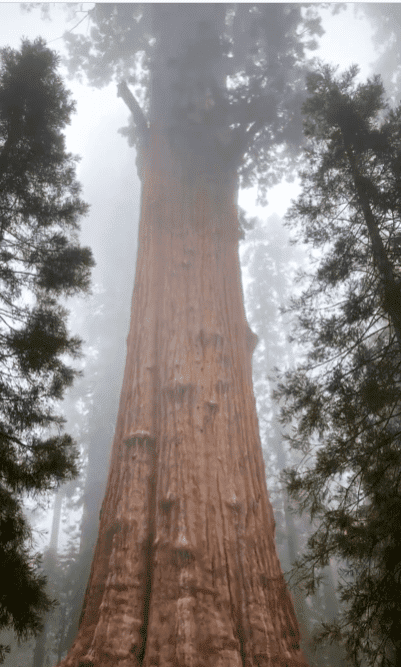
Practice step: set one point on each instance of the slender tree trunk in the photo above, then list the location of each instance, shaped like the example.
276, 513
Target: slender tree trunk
50, 570
185, 570
302, 611
390, 287
92, 500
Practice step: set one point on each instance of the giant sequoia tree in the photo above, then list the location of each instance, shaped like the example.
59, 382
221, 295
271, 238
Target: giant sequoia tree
185, 570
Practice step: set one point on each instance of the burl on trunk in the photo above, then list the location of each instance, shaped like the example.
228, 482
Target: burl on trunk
185, 571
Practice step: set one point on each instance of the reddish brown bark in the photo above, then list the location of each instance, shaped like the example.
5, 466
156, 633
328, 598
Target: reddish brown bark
185, 571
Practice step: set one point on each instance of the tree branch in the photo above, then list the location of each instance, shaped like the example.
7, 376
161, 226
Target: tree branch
14, 439
132, 104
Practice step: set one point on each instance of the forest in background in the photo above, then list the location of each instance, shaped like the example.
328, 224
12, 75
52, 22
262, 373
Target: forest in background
271, 263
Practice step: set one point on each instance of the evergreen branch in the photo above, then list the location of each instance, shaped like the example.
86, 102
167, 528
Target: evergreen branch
14, 439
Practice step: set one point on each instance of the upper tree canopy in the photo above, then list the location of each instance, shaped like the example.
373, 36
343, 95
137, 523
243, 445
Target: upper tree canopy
385, 19
224, 80
40, 260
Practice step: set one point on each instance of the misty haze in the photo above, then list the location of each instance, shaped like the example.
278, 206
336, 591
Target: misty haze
200, 321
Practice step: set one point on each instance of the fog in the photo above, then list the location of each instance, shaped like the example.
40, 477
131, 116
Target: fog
112, 188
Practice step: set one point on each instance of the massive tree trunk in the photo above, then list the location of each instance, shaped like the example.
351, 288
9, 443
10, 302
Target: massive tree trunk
185, 570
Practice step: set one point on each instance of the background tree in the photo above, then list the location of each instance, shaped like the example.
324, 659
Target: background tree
344, 401
90, 411
270, 263
105, 330
50, 569
41, 262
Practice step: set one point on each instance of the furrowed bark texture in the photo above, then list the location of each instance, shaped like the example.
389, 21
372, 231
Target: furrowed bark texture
185, 571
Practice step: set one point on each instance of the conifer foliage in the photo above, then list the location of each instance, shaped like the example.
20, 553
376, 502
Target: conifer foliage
344, 400
41, 261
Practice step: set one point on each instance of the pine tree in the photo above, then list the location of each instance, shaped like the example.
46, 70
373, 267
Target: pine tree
344, 401
40, 262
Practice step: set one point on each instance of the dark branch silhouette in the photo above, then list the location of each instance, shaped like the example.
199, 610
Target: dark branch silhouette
132, 104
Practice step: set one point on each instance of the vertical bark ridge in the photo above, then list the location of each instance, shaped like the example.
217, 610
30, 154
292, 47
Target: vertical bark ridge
186, 571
